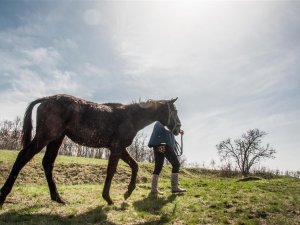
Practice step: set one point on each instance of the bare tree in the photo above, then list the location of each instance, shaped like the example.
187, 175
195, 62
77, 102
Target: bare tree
213, 164
182, 160
10, 133
139, 149
16, 133
246, 151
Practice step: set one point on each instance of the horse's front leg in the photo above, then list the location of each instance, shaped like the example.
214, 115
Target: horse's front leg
111, 170
134, 168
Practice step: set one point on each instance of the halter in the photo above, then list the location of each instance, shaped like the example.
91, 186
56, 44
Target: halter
171, 116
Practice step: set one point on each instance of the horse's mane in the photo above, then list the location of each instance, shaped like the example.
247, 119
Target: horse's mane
134, 104
113, 104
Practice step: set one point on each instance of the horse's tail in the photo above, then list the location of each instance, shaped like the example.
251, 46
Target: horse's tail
27, 122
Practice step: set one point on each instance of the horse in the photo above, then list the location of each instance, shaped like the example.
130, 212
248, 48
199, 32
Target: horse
107, 125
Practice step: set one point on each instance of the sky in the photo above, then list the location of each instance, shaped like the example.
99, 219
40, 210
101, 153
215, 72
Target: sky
234, 65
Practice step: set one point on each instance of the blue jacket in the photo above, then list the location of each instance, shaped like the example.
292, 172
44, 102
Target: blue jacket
160, 135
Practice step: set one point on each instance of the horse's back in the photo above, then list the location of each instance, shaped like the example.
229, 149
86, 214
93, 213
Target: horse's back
94, 124
85, 122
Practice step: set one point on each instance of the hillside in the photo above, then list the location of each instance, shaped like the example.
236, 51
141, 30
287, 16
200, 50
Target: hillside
210, 199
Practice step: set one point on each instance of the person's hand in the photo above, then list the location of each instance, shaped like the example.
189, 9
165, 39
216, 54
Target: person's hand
181, 132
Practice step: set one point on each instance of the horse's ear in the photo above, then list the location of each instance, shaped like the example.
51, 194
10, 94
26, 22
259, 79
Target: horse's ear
173, 99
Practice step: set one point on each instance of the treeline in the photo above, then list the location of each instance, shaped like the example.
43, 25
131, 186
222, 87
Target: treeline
229, 170
11, 132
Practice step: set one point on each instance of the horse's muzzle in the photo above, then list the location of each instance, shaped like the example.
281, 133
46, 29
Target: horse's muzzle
176, 131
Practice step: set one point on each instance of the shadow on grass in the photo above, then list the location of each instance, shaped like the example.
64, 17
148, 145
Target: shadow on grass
95, 216
153, 203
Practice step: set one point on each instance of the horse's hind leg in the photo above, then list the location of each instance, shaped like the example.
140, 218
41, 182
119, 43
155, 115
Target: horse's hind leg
111, 169
23, 157
134, 168
48, 164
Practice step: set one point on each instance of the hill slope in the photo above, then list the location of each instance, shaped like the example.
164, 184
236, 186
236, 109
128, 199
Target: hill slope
209, 200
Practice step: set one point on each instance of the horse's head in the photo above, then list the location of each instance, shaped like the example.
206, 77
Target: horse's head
166, 113
173, 122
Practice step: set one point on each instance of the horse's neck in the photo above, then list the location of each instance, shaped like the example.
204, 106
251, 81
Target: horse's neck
144, 117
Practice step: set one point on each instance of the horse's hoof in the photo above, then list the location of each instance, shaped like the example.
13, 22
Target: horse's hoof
1, 203
61, 202
127, 195
107, 199
110, 202
58, 200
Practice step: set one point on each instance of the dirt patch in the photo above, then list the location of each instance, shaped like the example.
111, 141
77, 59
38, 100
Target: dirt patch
248, 179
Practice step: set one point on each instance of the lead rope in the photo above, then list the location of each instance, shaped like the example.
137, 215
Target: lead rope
179, 147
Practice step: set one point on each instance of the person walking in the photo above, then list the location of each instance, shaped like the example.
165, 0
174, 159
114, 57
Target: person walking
163, 143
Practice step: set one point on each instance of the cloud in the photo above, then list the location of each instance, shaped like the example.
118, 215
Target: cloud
189, 46
43, 56
28, 72
233, 65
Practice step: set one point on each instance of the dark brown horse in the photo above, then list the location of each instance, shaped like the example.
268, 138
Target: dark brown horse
110, 125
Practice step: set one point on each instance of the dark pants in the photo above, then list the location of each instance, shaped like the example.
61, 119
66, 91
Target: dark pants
159, 158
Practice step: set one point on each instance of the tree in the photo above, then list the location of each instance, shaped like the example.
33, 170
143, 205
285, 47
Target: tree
139, 150
246, 151
10, 134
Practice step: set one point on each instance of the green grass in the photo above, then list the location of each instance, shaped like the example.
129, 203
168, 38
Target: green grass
210, 199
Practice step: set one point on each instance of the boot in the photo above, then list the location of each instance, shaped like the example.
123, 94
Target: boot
154, 189
174, 183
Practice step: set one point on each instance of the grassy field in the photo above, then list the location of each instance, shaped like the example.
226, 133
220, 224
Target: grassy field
210, 199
